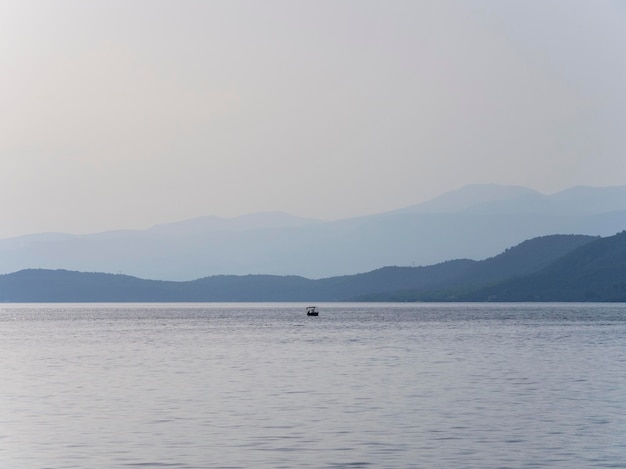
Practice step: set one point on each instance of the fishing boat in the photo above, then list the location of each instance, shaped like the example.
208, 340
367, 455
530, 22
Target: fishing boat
312, 311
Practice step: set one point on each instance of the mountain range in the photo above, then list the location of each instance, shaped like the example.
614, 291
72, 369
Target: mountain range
474, 222
548, 268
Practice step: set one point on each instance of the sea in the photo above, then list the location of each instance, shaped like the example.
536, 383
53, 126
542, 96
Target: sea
363, 385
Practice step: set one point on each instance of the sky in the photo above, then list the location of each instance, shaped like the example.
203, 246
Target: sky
122, 115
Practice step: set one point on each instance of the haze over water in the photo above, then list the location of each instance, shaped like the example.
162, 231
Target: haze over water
362, 385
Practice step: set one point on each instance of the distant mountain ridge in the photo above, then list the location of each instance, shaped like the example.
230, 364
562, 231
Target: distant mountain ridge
388, 283
472, 196
474, 222
490, 198
255, 221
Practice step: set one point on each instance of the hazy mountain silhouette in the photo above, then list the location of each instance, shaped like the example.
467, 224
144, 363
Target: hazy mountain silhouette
494, 198
389, 283
475, 196
473, 222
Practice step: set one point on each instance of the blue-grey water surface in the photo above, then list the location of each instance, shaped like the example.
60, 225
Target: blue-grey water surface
264, 386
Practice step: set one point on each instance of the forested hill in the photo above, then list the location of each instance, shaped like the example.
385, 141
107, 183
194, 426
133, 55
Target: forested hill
389, 283
593, 272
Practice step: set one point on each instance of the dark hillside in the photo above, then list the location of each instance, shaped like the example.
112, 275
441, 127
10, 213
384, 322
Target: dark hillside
39, 285
378, 281
525, 258
593, 272
249, 288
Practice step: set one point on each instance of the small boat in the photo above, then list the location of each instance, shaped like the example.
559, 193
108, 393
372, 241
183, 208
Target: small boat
312, 311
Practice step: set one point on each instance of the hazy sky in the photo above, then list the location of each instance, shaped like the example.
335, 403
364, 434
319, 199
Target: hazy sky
123, 114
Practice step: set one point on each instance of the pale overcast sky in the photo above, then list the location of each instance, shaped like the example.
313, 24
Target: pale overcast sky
123, 114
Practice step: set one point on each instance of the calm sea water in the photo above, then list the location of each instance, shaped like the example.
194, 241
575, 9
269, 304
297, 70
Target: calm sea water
263, 386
